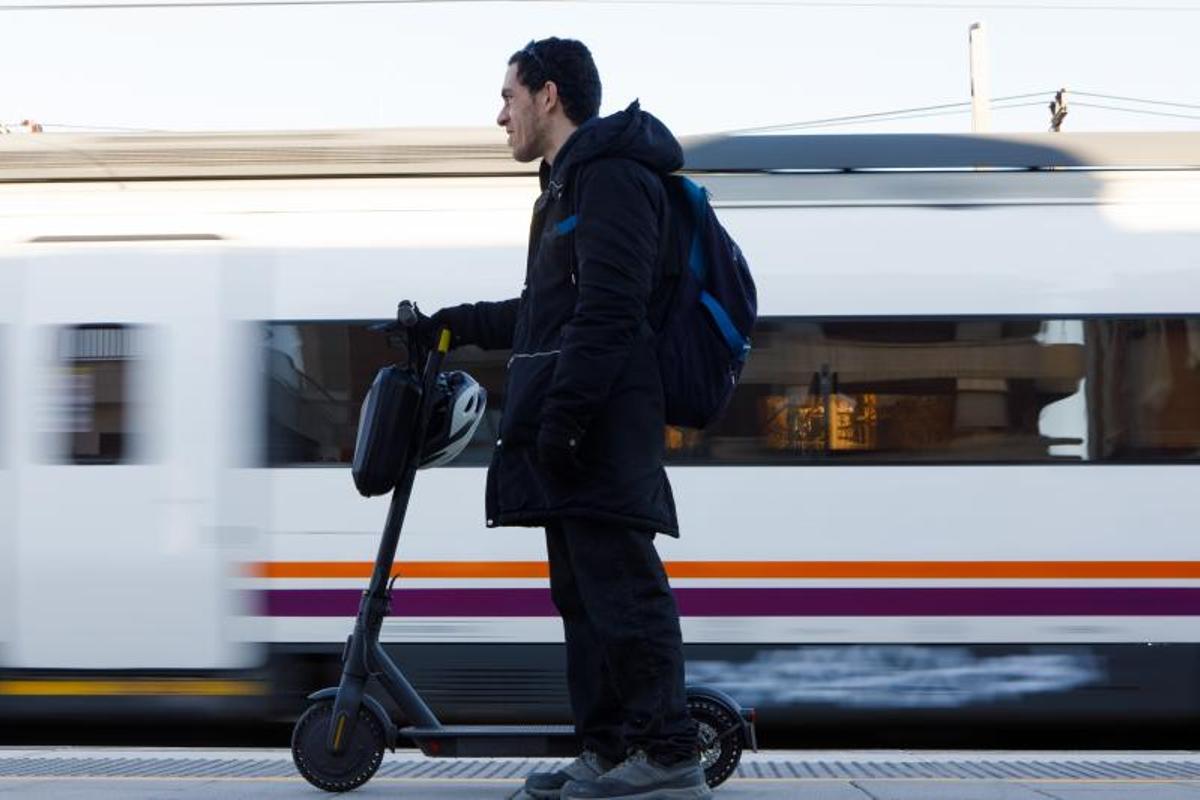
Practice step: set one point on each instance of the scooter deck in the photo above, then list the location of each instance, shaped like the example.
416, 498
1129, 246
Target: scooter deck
495, 741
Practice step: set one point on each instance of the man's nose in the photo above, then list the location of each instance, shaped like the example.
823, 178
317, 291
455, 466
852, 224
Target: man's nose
502, 118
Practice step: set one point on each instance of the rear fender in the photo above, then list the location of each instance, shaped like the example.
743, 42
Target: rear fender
746, 715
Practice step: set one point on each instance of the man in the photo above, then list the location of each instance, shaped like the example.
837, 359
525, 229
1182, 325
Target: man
581, 437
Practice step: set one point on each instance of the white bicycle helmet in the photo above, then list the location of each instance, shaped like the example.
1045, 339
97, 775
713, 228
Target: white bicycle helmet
457, 411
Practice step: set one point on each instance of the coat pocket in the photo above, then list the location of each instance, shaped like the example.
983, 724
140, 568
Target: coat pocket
529, 377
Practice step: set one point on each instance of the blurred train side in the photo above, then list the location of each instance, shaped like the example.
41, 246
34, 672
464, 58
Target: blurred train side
181, 356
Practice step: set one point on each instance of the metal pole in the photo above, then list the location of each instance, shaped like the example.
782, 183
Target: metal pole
981, 80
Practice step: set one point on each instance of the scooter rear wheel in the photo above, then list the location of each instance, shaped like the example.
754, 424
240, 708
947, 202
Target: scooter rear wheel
720, 738
340, 772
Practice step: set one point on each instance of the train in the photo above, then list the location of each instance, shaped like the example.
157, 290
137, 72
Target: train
956, 483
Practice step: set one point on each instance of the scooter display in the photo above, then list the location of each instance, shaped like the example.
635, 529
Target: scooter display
339, 741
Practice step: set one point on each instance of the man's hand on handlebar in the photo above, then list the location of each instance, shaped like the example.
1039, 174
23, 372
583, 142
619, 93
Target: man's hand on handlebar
453, 317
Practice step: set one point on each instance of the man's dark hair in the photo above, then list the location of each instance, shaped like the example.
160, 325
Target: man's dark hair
569, 64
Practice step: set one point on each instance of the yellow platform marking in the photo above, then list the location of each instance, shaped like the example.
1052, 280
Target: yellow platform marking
109, 687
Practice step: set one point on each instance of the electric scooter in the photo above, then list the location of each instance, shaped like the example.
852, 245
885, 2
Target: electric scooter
338, 742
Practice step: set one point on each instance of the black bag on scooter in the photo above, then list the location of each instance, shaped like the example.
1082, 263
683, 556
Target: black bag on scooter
385, 430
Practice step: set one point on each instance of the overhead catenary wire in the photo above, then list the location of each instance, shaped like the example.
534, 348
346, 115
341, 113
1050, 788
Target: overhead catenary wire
1151, 112
948, 109
955, 5
1126, 99
901, 118
894, 115
886, 116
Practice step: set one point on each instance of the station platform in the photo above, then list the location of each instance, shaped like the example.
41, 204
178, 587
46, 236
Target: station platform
196, 774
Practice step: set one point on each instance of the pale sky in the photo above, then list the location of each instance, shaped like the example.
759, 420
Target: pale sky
699, 66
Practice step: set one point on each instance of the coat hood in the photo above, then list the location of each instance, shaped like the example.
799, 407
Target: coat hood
632, 133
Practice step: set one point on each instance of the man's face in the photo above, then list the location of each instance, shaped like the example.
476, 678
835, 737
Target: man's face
519, 116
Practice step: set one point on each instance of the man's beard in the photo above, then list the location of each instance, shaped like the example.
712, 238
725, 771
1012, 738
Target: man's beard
531, 150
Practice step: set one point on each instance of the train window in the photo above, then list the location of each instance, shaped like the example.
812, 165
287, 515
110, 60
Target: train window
317, 375
898, 390
1146, 399
961, 391
93, 408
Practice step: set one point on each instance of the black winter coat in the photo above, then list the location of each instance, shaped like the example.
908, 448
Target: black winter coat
584, 361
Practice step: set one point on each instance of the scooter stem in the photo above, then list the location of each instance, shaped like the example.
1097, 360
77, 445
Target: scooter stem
363, 649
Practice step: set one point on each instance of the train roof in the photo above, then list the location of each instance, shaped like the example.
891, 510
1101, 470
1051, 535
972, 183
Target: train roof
431, 152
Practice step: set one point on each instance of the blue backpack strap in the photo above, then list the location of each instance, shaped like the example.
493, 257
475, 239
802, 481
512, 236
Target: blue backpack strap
739, 345
567, 225
697, 201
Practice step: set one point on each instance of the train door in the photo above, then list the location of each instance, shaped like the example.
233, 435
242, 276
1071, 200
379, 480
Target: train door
132, 514
9, 303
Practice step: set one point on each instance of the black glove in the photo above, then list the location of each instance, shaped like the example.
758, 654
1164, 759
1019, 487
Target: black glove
456, 318
558, 452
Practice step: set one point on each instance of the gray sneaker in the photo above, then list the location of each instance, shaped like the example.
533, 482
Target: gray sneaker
639, 778
548, 785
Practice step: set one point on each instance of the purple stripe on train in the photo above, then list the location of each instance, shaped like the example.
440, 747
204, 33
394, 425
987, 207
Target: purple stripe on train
770, 602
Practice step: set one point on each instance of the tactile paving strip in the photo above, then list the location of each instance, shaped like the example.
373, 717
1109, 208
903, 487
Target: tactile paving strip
52, 766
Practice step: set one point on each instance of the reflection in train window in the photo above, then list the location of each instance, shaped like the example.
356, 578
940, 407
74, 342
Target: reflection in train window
93, 410
888, 390
317, 375
962, 391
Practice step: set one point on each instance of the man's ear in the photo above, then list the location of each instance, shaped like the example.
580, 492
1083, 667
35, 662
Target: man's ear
550, 100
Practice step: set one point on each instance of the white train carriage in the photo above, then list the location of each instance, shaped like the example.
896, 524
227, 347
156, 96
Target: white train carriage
957, 477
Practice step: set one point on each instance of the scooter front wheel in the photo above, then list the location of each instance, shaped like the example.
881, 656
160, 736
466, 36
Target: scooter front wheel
337, 772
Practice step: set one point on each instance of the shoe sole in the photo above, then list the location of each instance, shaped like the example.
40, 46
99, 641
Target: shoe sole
549, 794
680, 793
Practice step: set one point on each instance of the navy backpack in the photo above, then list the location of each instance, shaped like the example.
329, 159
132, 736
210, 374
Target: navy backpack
703, 311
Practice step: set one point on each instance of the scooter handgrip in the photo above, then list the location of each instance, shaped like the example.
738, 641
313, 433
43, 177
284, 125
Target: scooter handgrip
406, 314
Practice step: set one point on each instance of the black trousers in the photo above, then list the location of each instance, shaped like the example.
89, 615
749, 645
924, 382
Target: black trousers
625, 671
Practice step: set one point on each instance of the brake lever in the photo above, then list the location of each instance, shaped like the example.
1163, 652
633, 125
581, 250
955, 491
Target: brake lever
401, 331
